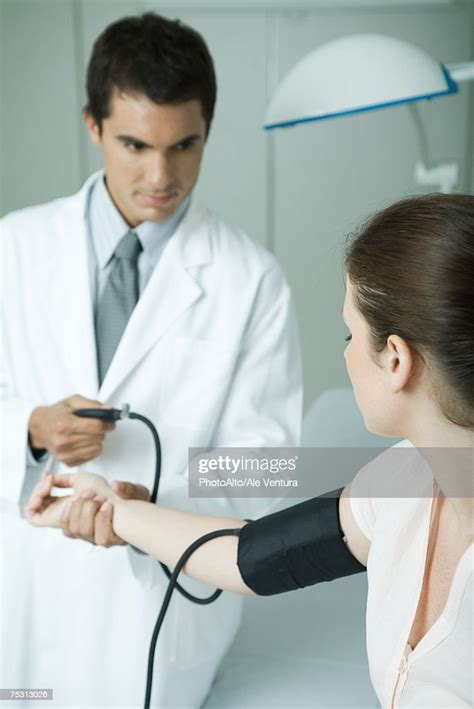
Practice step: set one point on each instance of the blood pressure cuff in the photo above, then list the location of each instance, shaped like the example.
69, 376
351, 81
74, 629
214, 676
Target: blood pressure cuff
296, 547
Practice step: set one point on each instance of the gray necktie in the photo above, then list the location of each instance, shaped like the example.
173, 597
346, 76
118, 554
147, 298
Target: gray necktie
117, 301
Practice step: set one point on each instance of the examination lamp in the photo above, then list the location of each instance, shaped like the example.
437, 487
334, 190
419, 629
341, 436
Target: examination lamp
365, 72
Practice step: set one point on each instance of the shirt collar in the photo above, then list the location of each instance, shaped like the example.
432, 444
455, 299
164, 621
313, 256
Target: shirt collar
155, 235
108, 227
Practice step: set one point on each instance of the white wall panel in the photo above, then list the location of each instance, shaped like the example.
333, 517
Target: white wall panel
39, 152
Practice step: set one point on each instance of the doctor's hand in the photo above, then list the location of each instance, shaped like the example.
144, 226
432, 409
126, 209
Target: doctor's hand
70, 439
84, 518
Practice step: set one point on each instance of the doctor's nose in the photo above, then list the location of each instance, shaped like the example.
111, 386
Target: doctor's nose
159, 173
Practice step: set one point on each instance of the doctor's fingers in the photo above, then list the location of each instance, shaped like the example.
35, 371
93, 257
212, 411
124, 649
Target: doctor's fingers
79, 521
81, 457
76, 438
131, 491
69, 424
76, 402
104, 532
64, 446
79, 452
83, 425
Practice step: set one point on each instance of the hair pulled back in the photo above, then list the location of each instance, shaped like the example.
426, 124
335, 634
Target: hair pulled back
412, 268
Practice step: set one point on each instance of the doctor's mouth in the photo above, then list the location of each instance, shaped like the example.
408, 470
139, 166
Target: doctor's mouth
159, 200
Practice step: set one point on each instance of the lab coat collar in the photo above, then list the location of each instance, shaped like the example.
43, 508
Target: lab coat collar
109, 227
173, 288
68, 297
194, 249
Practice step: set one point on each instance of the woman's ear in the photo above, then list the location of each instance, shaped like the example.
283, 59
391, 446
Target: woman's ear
399, 362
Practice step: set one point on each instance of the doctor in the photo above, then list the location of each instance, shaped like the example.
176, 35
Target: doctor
130, 292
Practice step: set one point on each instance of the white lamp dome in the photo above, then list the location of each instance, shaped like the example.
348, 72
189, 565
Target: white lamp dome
353, 74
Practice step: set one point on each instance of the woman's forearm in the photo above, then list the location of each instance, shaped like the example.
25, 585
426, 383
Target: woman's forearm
165, 534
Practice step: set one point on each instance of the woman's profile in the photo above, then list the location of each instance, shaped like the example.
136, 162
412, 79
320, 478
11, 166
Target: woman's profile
409, 310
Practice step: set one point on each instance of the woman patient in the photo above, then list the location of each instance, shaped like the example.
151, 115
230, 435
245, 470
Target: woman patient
409, 309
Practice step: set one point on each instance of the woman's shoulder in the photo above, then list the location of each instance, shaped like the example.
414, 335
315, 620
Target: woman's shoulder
387, 486
399, 472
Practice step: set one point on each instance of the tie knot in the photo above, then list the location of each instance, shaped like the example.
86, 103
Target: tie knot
129, 247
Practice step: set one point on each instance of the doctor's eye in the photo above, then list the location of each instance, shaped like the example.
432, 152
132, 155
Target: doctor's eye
348, 338
185, 145
134, 146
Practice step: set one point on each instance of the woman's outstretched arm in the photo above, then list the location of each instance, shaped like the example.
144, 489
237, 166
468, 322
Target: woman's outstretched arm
158, 531
165, 534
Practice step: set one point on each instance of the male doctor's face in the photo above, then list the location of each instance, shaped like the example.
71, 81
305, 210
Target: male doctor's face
152, 154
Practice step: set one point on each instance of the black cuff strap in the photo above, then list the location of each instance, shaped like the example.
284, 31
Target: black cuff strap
296, 547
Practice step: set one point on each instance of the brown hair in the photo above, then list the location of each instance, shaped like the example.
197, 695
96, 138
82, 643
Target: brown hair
163, 59
412, 268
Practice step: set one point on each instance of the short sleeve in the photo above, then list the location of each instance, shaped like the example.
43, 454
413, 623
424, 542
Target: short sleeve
361, 502
379, 480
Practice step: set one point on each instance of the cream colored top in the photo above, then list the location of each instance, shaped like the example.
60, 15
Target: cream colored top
439, 671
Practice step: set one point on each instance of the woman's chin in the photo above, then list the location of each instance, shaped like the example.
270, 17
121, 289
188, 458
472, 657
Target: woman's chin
380, 428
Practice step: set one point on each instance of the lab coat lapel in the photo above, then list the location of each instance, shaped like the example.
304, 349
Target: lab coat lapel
69, 295
172, 289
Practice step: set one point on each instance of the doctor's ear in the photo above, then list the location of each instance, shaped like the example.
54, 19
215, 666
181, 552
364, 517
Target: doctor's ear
92, 128
401, 362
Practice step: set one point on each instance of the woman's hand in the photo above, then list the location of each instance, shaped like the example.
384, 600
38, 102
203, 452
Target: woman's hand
46, 510
83, 483
43, 509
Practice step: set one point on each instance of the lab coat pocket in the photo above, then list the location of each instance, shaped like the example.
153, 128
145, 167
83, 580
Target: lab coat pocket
199, 373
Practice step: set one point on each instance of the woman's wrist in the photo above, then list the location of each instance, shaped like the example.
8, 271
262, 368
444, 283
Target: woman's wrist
111, 496
116, 500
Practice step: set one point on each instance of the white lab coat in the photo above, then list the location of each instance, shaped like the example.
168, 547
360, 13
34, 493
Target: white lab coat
210, 354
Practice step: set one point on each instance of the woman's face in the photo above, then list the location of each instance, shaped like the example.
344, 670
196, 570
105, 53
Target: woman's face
369, 377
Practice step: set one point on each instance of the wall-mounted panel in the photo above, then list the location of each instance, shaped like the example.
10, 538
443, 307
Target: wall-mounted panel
39, 154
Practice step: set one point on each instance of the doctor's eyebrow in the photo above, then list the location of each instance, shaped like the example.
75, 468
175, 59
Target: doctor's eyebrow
141, 144
132, 139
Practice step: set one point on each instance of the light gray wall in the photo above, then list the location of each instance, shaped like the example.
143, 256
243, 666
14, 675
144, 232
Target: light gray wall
297, 191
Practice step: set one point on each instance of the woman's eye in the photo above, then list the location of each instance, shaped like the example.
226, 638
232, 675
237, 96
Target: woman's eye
348, 338
133, 147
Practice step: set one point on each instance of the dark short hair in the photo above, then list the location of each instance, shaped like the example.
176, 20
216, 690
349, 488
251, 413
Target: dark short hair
163, 59
412, 268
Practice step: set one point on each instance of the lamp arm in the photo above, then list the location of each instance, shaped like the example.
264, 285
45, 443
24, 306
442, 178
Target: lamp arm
444, 176
421, 135
461, 71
